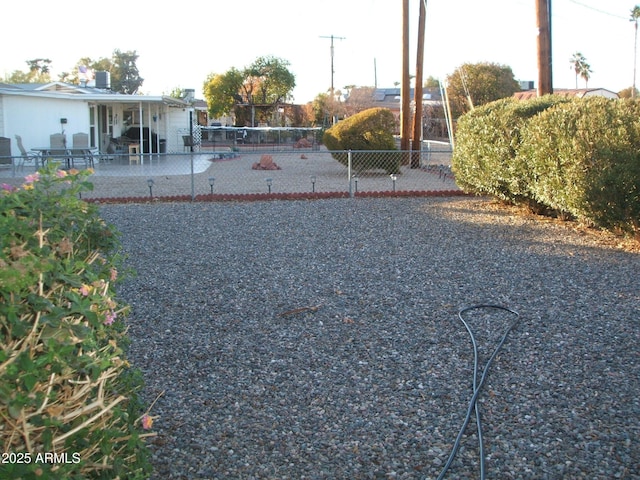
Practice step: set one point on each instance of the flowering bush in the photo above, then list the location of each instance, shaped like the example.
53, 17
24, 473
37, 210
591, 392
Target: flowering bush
68, 397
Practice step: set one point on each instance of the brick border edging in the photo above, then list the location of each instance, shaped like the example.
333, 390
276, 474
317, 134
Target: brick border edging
248, 197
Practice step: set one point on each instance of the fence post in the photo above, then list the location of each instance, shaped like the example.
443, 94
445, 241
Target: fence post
193, 186
349, 174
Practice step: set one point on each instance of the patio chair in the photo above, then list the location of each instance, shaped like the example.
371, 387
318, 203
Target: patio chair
58, 141
190, 143
26, 157
58, 144
5, 151
80, 149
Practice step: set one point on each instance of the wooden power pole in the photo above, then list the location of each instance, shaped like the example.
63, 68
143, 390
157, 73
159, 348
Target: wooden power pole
405, 90
416, 145
332, 37
545, 77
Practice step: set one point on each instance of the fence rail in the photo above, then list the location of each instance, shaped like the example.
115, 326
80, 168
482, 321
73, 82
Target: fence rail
226, 172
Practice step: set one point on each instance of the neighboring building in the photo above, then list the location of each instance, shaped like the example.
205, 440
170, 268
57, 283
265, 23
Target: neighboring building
566, 92
35, 111
391, 98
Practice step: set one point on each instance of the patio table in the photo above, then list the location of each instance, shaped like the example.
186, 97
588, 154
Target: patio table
44, 154
68, 154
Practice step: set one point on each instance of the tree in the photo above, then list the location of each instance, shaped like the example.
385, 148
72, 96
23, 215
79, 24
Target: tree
628, 92
326, 108
222, 92
581, 67
479, 83
100, 65
261, 86
272, 79
177, 92
635, 14
359, 99
125, 77
432, 82
39, 72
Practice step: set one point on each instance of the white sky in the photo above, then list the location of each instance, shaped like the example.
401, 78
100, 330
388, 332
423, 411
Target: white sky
180, 43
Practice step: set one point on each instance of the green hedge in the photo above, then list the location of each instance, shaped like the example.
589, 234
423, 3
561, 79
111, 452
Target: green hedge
364, 132
488, 139
584, 160
578, 157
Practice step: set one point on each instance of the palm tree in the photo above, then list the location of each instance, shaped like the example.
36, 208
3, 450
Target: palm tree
581, 67
635, 14
586, 74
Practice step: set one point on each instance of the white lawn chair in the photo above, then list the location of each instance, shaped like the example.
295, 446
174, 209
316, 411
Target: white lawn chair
58, 144
80, 149
26, 157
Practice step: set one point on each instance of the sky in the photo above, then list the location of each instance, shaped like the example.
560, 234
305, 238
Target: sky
180, 44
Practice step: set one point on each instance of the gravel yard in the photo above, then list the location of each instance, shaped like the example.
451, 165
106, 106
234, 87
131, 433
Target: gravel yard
320, 340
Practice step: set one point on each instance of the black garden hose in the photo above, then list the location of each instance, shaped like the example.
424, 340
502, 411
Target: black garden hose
477, 386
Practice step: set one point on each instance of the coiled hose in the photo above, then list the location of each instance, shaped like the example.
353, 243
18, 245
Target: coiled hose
477, 386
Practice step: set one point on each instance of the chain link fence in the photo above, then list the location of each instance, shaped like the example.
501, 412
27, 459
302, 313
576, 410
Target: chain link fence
237, 172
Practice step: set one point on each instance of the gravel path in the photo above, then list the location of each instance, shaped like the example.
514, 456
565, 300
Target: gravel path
320, 340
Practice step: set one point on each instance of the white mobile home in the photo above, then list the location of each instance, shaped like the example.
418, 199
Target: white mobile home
36, 111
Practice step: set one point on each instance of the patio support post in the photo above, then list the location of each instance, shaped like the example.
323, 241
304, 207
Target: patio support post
141, 134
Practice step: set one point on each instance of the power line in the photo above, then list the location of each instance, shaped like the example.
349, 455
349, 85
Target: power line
598, 10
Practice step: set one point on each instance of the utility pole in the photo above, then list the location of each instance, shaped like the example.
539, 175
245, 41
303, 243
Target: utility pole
416, 146
332, 54
545, 77
405, 96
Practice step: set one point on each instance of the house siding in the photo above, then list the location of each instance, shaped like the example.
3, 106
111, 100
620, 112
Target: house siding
35, 118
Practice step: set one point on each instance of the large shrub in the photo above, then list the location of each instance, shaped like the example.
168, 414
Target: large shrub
68, 402
584, 159
578, 157
485, 159
363, 133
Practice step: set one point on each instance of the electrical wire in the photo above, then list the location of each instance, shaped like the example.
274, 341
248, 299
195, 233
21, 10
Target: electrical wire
477, 386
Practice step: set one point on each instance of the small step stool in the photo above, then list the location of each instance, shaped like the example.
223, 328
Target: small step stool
134, 153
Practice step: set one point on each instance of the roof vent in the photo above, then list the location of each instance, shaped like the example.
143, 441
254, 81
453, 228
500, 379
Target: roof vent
189, 95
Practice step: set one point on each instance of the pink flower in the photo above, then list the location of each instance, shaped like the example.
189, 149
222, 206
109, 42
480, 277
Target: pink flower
34, 177
113, 274
8, 188
61, 173
147, 422
109, 317
85, 290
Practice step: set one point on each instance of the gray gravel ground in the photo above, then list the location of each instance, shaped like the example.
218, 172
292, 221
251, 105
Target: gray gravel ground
320, 340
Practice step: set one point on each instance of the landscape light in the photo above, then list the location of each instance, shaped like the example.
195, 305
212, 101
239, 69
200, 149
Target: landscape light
313, 183
150, 182
211, 182
269, 183
394, 177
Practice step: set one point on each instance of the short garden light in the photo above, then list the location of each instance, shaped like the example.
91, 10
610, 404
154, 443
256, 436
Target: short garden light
150, 182
355, 181
313, 183
269, 183
211, 182
394, 177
